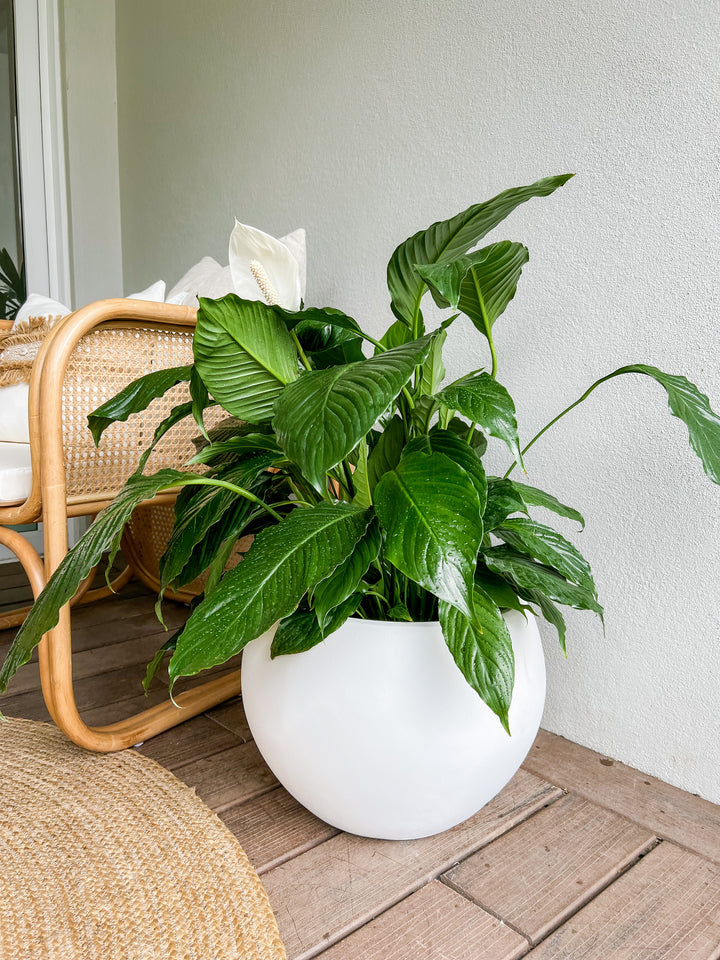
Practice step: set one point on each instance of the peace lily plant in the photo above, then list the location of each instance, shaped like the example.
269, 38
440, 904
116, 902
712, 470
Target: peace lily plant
361, 477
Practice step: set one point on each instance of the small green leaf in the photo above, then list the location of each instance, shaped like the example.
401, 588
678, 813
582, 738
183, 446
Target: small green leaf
548, 547
526, 574
176, 415
284, 561
396, 335
447, 442
399, 612
135, 397
361, 483
430, 511
550, 612
387, 451
343, 581
433, 370
503, 499
486, 402
322, 416
499, 590
480, 285
483, 653
301, 631
200, 400
538, 498
693, 408
244, 354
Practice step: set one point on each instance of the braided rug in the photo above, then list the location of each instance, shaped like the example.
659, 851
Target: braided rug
109, 856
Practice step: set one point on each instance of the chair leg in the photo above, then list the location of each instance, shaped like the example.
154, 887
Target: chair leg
55, 654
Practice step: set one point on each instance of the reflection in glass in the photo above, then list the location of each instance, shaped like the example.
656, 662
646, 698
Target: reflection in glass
11, 242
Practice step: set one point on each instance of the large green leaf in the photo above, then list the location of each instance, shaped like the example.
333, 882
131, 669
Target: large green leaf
135, 397
499, 590
480, 285
430, 511
344, 580
534, 497
323, 415
548, 547
77, 564
244, 354
284, 561
483, 653
448, 239
693, 408
482, 399
526, 574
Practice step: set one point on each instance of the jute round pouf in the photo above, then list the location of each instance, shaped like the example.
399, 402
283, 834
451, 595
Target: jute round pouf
110, 857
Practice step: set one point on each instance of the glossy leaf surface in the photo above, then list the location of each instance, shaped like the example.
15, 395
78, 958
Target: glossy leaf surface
430, 511
343, 581
529, 575
448, 239
480, 285
284, 561
323, 415
244, 354
548, 547
534, 497
77, 564
135, 397
301, 630
484, 656
486, 402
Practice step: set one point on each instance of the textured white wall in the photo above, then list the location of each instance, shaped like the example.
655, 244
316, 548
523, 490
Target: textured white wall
366, 121
92, 149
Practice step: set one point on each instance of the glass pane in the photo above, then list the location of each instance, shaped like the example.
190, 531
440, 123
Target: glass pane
11, 242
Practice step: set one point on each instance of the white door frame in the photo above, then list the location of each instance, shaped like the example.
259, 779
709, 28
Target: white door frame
43, 182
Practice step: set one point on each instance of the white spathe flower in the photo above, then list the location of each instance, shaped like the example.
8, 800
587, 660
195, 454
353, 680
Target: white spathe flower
263, 268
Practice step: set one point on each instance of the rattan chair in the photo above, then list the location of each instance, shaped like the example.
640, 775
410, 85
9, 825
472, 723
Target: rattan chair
88, 357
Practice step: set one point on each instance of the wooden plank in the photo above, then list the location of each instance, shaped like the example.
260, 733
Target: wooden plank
231, 715
433, 923
328, 892
230, 777
97, 635
90, 663
668, 811
90, 693
547, 867
667, 907
191, 740
274, 828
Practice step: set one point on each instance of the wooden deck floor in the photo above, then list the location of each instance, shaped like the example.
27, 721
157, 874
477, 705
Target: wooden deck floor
577, 858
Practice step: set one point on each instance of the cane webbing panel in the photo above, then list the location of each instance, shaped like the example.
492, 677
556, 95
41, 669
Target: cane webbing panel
102, 364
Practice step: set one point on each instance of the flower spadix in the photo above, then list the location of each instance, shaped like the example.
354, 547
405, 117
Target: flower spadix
263, 268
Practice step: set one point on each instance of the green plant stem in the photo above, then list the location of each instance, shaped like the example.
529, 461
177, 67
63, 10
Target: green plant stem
470, 432
572, 406
486, 324
301, 352
209, 482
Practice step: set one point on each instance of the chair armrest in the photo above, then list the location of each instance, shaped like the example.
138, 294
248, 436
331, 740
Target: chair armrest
87, 358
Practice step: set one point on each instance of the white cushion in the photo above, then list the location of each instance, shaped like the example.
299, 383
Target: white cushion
15, 472
155, 292
208, 279
38, 305
14, 413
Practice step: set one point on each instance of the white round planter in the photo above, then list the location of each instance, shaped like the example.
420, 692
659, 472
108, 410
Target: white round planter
376, 731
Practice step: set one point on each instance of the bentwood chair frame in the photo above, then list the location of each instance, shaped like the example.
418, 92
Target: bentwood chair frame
70, 478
